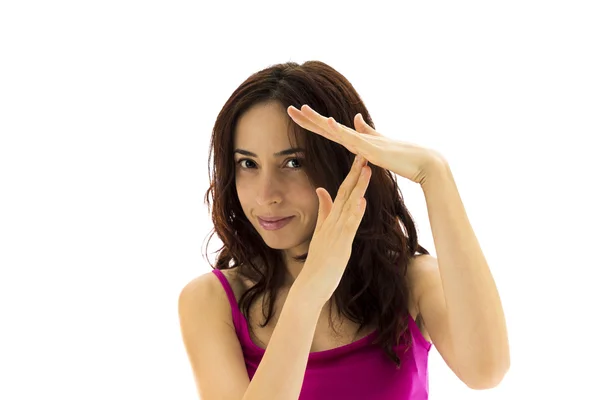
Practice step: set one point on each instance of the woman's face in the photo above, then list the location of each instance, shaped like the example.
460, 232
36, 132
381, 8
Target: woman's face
273, 185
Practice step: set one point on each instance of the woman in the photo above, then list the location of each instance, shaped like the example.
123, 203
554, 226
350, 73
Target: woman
349, 309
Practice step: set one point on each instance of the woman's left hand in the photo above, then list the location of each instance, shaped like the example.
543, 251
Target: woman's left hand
405, 159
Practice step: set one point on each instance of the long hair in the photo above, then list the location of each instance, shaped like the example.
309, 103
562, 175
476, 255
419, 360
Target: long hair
374, 288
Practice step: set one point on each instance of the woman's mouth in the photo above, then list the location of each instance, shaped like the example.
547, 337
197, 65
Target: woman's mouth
274, 225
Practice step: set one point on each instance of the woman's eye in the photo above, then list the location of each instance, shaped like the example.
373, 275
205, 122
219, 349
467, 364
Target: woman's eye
298, 161
242, 160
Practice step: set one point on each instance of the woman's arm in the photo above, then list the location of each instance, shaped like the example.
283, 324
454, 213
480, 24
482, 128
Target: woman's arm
458, 299
280, 373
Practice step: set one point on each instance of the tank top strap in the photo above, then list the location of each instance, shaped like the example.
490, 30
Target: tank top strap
235, 310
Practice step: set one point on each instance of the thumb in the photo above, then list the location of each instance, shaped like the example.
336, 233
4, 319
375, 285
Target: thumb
362, 126
325, 205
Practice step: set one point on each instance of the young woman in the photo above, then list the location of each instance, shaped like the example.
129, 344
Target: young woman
321, 290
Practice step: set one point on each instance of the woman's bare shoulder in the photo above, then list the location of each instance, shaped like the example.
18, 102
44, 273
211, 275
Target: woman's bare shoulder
201, 288
238, 283
205, 295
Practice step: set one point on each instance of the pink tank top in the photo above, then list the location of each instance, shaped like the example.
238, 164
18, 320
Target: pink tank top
359, 370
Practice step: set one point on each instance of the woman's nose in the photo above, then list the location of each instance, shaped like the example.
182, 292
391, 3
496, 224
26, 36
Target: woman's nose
270, 190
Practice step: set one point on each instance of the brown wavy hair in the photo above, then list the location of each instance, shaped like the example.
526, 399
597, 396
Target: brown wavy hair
374, 288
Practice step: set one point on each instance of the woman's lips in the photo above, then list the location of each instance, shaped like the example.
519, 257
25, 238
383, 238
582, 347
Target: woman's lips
274, 225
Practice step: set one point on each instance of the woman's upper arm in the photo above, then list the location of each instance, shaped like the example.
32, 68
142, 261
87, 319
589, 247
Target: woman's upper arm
212, 346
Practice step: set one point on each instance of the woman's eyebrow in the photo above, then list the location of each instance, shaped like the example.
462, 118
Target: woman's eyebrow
286, 152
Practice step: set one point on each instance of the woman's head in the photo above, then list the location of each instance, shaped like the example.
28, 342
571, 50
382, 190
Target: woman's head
270, 178
373, 288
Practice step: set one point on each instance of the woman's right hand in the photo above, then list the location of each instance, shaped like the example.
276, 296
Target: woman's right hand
331, 244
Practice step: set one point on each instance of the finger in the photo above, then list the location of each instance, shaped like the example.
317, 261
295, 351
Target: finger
325, 128
307, 124
339, 134
346, 189
354, 217
361, 187
355, 207
325, 205
352, 140
361, 126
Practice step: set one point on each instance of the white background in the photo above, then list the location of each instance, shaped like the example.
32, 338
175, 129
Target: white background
105, 114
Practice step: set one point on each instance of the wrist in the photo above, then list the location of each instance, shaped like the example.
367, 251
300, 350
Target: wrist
301, 294
436, 171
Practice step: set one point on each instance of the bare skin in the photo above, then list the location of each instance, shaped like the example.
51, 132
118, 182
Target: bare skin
325, 337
